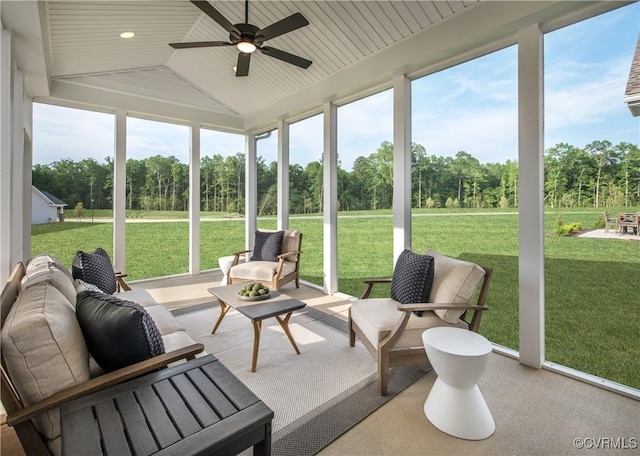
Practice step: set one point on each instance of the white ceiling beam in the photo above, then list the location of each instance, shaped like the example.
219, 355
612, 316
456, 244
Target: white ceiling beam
67, 94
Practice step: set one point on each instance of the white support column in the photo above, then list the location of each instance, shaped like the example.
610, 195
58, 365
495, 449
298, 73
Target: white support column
330, 195
531, 193
401, 165
251, 191
194, 200
119, 191
17, 170
26, 174
283, 175
6, 67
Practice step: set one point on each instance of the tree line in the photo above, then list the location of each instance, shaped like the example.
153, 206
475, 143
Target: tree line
599, 175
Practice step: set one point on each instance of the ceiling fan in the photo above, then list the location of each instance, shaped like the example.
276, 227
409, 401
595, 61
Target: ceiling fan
247, 37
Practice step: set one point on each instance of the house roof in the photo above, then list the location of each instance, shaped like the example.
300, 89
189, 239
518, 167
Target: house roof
71, 52
52, 200
632, 92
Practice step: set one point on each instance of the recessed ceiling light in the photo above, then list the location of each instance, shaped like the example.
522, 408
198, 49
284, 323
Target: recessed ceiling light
127, 34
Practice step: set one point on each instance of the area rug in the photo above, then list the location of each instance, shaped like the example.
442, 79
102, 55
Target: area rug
317, 395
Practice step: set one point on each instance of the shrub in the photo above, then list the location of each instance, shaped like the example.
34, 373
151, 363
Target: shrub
566, 230
600, 223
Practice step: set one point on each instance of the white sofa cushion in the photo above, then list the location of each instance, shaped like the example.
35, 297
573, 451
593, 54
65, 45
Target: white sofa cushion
377, 317
51, 273
44, 350
454, 282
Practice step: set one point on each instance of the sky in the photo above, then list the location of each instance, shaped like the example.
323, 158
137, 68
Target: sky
471, 107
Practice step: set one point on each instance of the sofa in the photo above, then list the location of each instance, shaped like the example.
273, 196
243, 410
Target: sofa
45, 356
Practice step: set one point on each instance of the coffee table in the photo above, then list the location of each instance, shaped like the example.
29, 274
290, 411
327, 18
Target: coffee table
277, 305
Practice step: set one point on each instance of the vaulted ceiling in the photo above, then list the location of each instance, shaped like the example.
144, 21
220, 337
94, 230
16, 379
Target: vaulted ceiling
72, 51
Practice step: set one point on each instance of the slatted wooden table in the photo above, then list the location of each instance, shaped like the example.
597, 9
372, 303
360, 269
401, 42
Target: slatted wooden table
196, 408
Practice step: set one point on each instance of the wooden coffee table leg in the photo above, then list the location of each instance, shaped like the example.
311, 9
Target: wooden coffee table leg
257, 326
224, 308
284, 322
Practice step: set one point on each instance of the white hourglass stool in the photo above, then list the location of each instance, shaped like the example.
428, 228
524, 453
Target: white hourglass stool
455, 404
225, 263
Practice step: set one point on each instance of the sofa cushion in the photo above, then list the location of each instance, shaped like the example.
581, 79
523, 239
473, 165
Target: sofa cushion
454, 282
44, 349
267, 246
117, 332
45, 258
95, 268
142, 297
54, 274
412, 278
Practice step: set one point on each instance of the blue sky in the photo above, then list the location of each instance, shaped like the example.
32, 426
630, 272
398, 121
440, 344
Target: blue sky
470, 107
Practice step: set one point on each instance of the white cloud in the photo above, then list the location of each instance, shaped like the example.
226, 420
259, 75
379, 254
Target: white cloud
64, 133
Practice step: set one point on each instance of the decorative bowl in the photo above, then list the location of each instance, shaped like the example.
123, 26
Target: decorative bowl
255, 298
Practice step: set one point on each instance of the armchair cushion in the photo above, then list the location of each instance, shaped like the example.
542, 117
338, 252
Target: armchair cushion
291, 243
261, 271
267, 246
95, 268
118, 333
377, 317
412, 278
454, 282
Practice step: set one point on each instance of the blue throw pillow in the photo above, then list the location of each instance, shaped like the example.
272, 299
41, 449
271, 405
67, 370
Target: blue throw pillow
412, 278
268, 246
118, 333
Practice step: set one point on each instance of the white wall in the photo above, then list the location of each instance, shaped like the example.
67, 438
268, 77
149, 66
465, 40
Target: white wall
41, 211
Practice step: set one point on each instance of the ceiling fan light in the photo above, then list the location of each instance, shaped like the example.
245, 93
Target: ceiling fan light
246, 46
127, 34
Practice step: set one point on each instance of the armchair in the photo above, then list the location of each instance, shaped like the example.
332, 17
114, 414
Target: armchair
273, 263
392, 331
610, 221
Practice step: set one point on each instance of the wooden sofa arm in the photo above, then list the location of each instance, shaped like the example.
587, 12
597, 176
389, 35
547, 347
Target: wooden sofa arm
102, 382
371, 282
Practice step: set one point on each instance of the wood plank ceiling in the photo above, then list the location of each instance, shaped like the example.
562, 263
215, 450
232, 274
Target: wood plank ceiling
85, 47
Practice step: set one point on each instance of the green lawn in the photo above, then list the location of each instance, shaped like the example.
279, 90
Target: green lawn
592, 299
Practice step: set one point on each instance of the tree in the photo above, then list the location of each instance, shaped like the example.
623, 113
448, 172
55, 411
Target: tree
78, 211
603, 154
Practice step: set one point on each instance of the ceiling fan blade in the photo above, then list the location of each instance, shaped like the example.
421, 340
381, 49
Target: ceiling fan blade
242, 67
214, 14
199, 44
285, 56
286, 25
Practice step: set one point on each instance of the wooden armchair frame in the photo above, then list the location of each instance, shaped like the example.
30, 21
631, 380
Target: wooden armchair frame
387, 355
278, 280
20, 416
